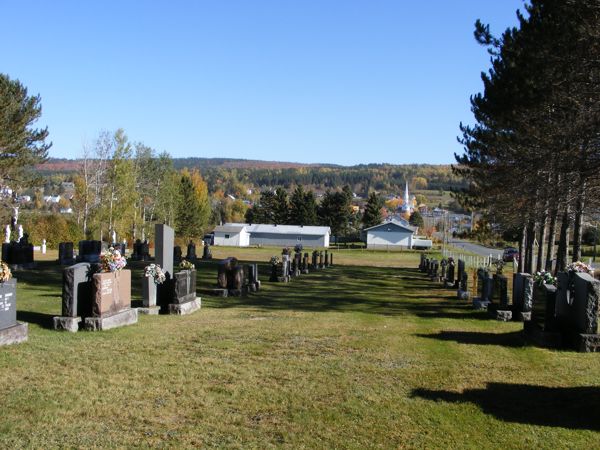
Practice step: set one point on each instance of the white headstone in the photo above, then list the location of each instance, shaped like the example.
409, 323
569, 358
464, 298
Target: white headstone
43, 246
7, 234
20, 233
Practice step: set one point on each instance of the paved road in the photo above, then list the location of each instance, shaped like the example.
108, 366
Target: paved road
475, 248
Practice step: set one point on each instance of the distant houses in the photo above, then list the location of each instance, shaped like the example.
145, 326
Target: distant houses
243, 235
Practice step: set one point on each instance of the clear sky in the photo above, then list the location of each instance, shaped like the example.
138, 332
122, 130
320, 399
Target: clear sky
344, 81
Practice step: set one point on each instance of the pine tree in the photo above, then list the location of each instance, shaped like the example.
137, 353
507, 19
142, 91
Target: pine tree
416, 220
281, 209
21, 145
303, 207
189, 211
372, 215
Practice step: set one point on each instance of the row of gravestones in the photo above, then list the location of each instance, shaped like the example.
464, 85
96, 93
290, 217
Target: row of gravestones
290, 267
89, 251
100, 301
565, 315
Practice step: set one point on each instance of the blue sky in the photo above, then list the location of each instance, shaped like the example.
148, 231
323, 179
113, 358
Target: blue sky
344, 82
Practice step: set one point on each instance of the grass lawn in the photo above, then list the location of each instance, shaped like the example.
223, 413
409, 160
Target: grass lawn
355, 356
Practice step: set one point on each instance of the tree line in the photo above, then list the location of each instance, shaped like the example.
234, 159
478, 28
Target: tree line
532, 157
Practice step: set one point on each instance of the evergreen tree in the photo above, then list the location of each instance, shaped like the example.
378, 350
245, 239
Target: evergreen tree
416, 220
21, 145
372, 215
281, 205
334, 212
189, 211
303, 207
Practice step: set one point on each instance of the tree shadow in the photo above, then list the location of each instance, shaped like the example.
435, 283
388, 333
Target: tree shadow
513, 339
41, 319
576, 408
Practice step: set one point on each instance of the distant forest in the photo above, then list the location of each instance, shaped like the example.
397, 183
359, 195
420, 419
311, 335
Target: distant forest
235, 175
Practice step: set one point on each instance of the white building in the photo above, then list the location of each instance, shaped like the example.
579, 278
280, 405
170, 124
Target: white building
392, 235
232, 234
242, 235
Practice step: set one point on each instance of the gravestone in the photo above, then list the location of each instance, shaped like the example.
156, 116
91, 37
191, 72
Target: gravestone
434, 266
450, 274
580, 325
252, 277
177, 256
326, 261
11, 331
149, 297
331, 259
543, 327
145, 251
522, 300
89, 251
77, 291
321, 263
443, 266
315, 264
191, 252
136, 254
305, 263
297, 264
65, 254
283, 269
422, 262
460, 272
111, 301
499, 307
206, 253
234, 279
165, 241
485, 282
18, 255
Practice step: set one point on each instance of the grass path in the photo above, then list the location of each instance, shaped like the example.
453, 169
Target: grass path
349, 357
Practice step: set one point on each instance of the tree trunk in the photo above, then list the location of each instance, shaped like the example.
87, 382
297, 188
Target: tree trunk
522, 242
551, 239
529, 247
541, 240
563, 244
578, 225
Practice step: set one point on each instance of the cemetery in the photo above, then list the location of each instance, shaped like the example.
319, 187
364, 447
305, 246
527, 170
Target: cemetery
423, 319
180, 297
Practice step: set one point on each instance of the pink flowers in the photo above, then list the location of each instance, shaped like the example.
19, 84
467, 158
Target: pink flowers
112, 261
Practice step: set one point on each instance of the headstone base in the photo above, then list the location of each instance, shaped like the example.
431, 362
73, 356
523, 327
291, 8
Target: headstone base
522, 316
15, 334
462, 295
219, 292
254, 287
22, 266
542, 338
66, 262
243, 292
587, 343
503, 315
304, 272
182, 309
149, 310
120, 319
65, 323
480, 304
285, 279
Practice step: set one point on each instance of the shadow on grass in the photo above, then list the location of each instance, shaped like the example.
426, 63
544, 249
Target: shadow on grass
576, 408
41, 319
514, 339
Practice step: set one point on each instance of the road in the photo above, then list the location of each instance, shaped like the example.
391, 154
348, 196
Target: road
475, 248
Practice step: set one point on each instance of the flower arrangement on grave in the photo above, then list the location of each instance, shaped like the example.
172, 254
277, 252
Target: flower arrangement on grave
155, 272
499, 265
112, 261
580, 267
544, 277
298, 248
5, 273
186, 265
274, 260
